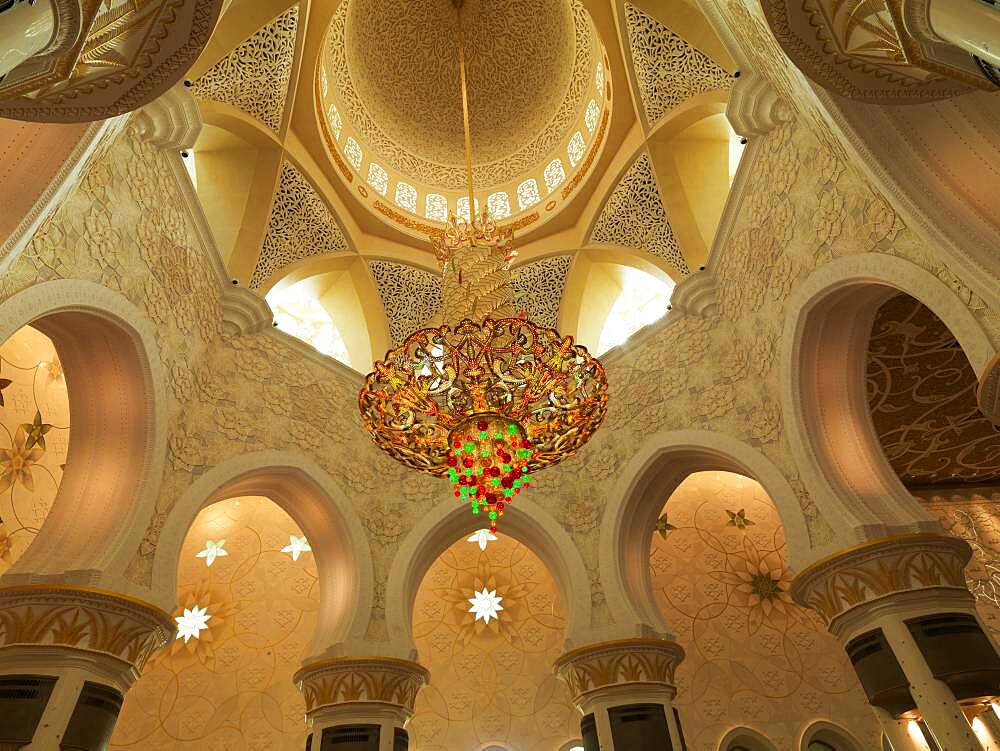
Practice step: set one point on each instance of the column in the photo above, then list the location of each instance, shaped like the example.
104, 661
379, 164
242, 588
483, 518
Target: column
901, 608
625, 691
972, 25
26, 28
68, 656
366, 699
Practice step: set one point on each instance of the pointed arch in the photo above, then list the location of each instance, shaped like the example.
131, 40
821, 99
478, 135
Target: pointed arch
117, 395
654, 472
317, 504
823, 356
527, 523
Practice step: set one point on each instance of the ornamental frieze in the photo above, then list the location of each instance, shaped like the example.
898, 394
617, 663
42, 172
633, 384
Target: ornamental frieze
84, 619
621, 662
879, 568
361, 679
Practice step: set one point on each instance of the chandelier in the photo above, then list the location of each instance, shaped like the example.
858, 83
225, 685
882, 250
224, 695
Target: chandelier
484, 397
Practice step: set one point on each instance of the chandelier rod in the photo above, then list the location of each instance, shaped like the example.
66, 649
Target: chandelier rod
465, 109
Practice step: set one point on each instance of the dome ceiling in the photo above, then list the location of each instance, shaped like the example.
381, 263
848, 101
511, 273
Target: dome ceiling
389, 79
403, 60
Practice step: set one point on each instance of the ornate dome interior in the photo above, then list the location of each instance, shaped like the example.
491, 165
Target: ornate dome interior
742, 351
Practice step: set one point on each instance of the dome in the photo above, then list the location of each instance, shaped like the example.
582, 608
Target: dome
403, 60
391, 110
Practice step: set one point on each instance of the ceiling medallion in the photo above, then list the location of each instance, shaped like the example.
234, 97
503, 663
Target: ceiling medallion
487, 397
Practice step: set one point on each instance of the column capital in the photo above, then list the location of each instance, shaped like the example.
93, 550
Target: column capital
624, 663
82, 619
879, 568
361, 680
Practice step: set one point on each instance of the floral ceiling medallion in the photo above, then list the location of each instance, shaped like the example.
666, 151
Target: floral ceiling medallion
487, 397
192, 623
486, 605
482, 537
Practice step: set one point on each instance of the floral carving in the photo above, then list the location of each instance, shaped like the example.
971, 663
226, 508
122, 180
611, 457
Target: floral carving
916, 561
372, 679
590, 668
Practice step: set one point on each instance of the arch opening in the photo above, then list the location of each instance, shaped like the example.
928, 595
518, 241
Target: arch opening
834, 379
115, 450
318, 507
721, 578
248, 605
488, 622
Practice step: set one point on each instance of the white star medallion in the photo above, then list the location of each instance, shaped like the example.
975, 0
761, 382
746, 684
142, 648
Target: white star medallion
486, 605
192, 623
213, 549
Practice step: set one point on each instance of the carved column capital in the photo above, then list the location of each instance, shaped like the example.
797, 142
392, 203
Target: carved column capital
82, 619
624, 663
880, 568
361, 680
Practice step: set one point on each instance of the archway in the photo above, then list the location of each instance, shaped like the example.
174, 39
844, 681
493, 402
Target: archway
318, 507
826, 736
663, 461
106, 350
721, 578
824, 359
745, 739
248, 594
525, 522
488, 622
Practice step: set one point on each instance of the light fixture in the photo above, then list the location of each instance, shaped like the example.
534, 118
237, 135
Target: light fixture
192, 623
486, 605
487, 397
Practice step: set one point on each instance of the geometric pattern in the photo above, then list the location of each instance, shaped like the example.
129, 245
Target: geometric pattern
300, 226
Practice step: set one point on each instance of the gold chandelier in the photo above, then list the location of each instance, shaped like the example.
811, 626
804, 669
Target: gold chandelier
486, 397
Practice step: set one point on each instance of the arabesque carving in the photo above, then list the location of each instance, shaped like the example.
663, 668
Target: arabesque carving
301, 225
667, 68
361, 679
896, 564
615, 663
254, 77
84, 619
634, 217
108, 58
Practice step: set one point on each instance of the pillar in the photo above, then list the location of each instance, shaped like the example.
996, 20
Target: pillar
367, 699
901, 608
625, 691
26, 28
68, 656
972, 25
